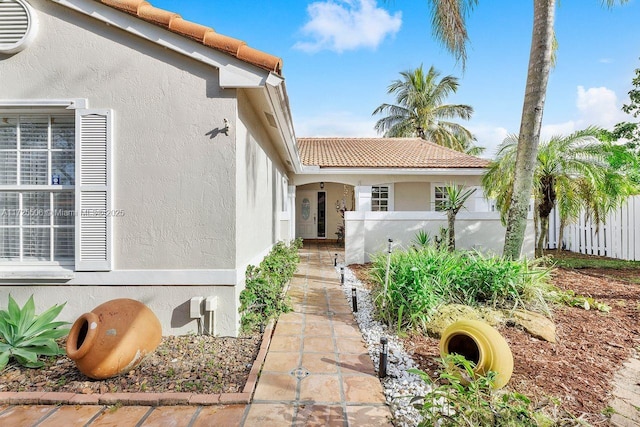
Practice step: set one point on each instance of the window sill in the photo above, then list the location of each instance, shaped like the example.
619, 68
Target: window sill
36, 273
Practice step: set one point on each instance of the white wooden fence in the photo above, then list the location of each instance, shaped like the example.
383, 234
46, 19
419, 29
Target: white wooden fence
618, 237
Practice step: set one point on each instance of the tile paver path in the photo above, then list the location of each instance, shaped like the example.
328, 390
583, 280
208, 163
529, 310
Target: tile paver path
317, 372
626, 395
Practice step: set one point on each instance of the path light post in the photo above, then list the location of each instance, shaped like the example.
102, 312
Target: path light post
342, 275
335, 261
354, 299
382, 369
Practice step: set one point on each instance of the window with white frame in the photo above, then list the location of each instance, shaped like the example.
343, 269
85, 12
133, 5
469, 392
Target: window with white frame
37, 188
439, 197
380, 198
55, 180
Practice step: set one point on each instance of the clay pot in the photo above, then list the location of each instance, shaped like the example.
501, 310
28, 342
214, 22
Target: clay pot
483, 345
113, 338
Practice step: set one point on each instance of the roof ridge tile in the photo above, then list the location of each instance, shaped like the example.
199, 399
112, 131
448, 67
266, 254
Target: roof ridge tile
200, 33
222, 42
190, 29
156, 15
130, 6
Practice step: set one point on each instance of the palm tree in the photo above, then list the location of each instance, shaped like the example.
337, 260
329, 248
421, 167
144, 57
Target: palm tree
571, 174
448, 22
420, 110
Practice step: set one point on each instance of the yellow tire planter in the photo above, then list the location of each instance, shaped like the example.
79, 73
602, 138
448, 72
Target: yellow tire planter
480, 343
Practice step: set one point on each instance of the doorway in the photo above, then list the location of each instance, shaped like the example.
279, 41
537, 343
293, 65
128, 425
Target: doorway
311, 214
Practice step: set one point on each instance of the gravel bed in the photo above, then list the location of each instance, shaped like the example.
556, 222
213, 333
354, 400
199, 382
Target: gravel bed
199, 364
399, 385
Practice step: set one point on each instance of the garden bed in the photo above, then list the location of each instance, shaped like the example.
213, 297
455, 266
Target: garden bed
198, 364
576, 373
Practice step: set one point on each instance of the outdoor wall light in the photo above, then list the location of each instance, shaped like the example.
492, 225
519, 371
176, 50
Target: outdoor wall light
321, 185
225, 129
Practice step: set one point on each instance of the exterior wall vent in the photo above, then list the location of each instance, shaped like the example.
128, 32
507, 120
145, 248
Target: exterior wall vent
17, 25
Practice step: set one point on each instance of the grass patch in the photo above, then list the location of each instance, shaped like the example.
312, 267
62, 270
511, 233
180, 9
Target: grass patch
595, 262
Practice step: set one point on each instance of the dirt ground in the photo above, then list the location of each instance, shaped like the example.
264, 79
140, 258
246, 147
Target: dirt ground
198, 364
573, 377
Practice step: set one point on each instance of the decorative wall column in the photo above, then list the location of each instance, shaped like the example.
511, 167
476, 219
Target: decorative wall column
292, 211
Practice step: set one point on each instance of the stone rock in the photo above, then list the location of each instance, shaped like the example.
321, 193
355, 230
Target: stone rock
451, 313
535, 324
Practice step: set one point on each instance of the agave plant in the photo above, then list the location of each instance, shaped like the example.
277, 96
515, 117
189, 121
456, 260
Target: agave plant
24, 335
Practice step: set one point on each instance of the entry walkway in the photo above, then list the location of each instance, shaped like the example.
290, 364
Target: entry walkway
317, 372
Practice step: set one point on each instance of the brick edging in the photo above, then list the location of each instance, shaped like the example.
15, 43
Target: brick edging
146, 399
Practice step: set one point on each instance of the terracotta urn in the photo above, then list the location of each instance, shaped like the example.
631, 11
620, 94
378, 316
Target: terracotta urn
113, 338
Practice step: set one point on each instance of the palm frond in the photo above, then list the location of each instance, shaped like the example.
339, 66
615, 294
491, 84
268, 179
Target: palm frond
449, 25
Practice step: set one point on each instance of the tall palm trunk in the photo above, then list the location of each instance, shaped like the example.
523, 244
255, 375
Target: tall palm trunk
531, 122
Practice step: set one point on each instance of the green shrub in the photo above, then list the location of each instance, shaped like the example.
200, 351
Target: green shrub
422, 279
24, 335
451, 403
263, 296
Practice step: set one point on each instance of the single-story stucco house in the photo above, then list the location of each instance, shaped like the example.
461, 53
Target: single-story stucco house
149, 157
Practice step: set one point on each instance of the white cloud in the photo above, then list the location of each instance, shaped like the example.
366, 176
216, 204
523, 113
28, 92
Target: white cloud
335, 124
489, 137
597, 106
341, 25
564, 129
605, 60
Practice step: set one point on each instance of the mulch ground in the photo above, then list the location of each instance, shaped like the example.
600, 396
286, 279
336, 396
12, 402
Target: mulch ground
575, 374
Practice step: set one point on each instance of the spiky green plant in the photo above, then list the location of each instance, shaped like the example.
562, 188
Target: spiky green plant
422, 238
25, 336
452, 403
422, 279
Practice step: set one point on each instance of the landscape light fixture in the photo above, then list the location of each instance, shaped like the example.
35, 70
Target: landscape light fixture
384, 349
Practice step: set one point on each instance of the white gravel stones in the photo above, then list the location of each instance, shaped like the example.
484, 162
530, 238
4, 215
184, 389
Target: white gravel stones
399, 385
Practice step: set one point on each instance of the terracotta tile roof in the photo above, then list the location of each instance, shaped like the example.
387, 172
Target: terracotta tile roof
204, 35
382, 153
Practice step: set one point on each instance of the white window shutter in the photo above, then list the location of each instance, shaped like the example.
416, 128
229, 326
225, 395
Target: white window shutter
93, 190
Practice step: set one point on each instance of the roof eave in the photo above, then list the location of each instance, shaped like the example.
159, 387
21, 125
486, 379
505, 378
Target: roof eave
234, 73
316, 170
276, 92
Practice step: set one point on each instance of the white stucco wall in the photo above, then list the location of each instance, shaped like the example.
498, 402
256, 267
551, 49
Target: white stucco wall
169, 303
368, 232
175, 183
412, 196
467, 178
259, 183
175, 175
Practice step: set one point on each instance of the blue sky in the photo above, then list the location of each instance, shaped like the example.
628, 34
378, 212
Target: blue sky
340, 56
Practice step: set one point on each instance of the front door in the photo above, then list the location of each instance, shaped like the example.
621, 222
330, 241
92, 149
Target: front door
311, 214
